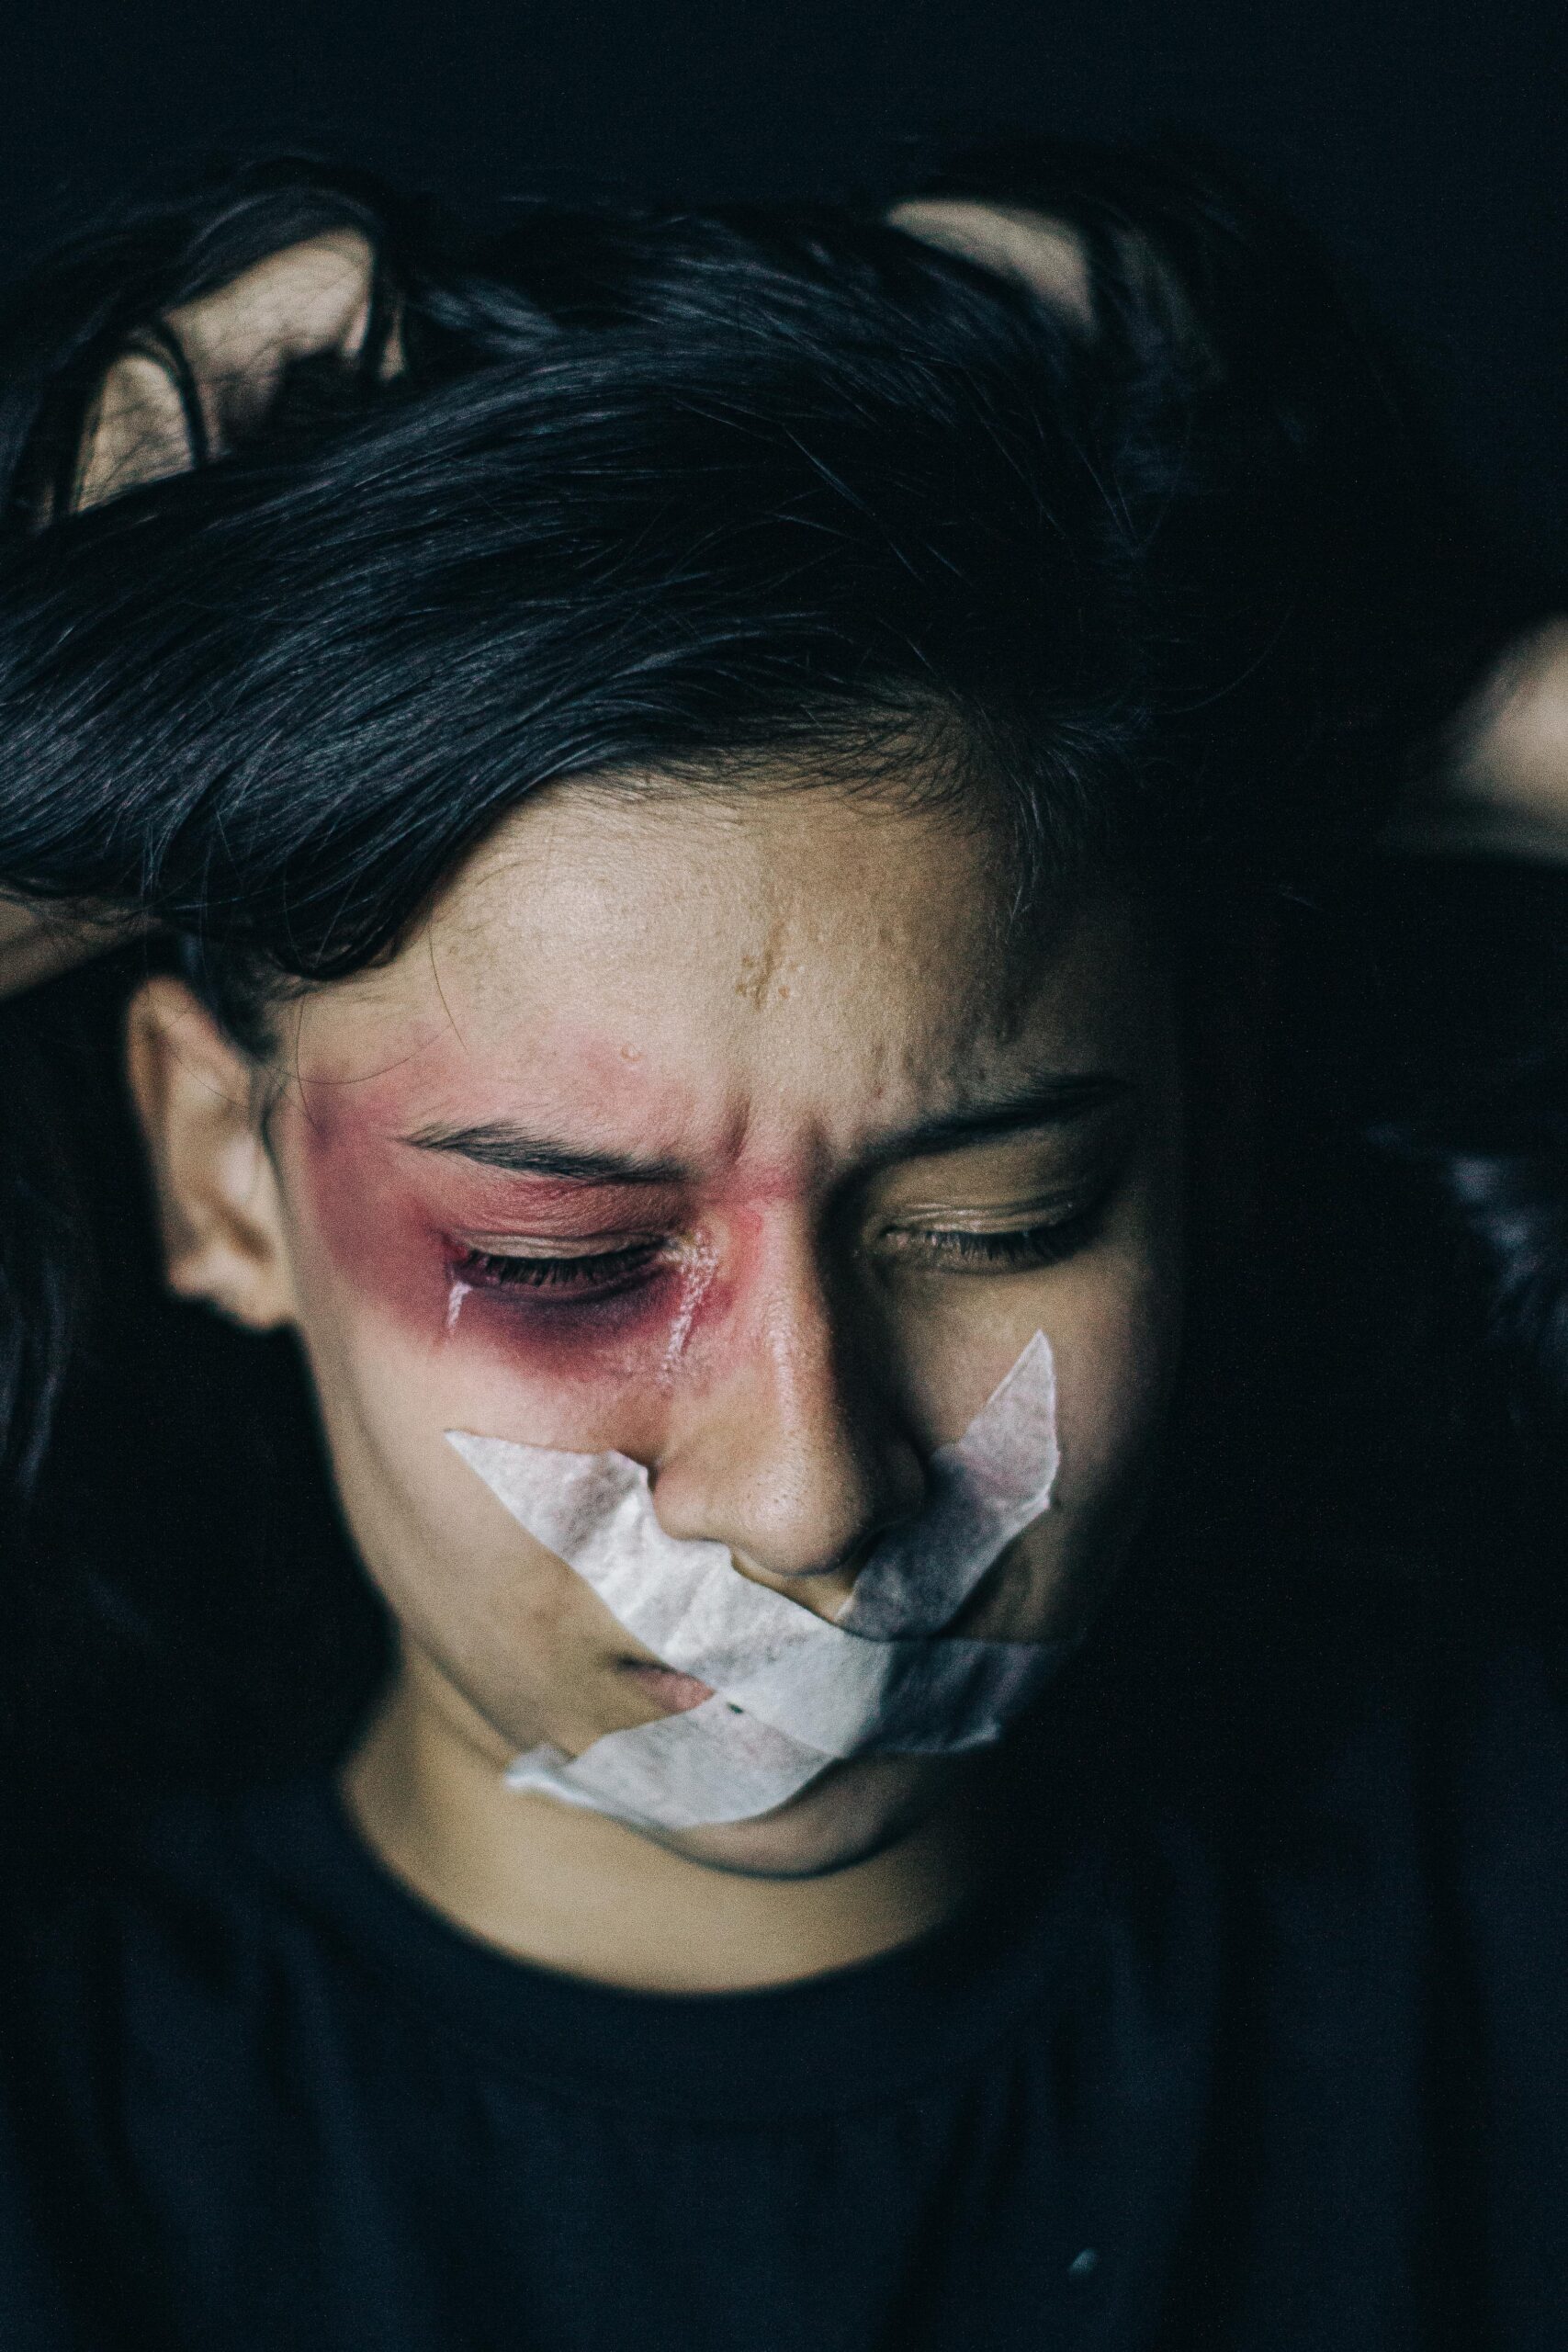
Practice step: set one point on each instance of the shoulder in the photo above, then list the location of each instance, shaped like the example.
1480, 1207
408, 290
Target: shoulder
181, 1890
145, 1964
125, 1961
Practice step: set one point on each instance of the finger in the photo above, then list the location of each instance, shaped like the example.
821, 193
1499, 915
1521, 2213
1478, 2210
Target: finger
1041, 255
39, 943
312, 299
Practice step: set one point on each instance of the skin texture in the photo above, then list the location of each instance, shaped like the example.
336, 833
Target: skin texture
763, 997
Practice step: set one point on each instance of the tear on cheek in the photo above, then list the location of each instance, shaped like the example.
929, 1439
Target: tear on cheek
698, 1274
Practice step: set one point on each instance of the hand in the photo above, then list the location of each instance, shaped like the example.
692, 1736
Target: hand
37, 944
1029, 248
311, 298
1505, 787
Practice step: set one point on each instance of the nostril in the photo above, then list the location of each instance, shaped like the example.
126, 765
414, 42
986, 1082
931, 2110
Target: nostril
824, 1590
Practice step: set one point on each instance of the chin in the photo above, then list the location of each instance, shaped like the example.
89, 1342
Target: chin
853, 1811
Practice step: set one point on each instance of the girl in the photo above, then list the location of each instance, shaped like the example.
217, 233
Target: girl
783, 1641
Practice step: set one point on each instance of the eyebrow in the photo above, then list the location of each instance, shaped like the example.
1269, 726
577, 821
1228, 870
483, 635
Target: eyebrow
1052, 1101
500, 1145
1048, 1103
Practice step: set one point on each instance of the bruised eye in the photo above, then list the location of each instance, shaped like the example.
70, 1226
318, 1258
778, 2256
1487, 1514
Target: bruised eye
594, 1274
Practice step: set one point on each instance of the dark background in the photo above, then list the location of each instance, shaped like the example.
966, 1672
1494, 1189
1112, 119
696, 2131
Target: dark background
1422, 139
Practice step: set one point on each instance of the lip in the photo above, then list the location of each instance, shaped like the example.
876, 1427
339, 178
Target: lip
676, 1694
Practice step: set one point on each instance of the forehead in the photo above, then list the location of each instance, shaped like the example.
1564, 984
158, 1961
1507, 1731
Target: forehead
775, 951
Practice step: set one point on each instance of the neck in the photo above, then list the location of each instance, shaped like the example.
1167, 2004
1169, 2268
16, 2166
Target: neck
576, 1891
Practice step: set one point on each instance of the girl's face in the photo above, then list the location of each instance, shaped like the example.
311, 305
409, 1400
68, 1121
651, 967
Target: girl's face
753, 1141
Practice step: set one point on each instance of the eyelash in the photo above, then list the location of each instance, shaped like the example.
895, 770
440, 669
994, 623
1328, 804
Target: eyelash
605, 1273
1032, 1245
595, 1275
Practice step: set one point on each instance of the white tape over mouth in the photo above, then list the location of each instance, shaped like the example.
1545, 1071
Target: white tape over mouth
793, 1693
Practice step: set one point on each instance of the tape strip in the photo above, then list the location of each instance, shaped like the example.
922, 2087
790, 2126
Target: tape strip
794, 1692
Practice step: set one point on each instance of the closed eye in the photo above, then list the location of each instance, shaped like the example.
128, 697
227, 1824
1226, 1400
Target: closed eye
957, 1249
603, 1273
593, 1274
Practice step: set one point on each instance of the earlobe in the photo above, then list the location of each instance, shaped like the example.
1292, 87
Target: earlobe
221, 1217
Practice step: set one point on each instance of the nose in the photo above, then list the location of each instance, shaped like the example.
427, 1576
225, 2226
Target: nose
791, 1453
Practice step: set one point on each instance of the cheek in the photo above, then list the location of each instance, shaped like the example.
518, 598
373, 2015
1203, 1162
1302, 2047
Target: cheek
1115, 1346
1118, 1342
1119, 1332
1116, 1361
363, 1234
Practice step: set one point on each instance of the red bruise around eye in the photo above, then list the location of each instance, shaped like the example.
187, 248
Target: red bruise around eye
395, 1221
569, 1331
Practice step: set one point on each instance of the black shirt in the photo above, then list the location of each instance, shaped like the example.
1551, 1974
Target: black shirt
1266, 2047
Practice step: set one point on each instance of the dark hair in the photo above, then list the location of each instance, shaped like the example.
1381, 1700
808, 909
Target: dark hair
667, 493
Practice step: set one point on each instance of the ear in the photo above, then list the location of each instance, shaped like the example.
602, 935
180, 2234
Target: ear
220, 1207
